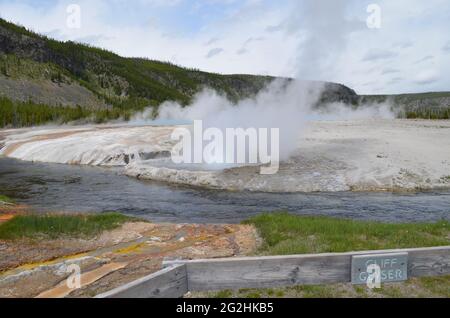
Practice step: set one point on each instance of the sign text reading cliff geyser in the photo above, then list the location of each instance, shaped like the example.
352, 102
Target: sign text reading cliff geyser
393, 267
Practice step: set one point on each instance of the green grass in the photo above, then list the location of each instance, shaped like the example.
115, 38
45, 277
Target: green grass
55, 226
5, 199
285, 234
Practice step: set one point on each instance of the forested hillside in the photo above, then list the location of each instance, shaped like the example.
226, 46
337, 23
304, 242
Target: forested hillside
41, 78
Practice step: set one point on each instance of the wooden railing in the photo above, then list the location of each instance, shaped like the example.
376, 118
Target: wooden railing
179, 277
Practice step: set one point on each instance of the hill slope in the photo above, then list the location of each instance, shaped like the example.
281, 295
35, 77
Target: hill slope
44, 80
40, 73
435, 105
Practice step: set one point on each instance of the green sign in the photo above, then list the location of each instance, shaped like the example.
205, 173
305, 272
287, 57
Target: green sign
388, 267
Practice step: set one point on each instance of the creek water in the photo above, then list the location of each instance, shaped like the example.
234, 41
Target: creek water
64, 188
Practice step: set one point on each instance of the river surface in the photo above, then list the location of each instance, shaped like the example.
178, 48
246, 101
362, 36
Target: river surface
63, 188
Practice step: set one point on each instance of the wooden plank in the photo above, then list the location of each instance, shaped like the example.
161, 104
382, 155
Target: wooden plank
170, 282
267, 272
429, 262
311, 269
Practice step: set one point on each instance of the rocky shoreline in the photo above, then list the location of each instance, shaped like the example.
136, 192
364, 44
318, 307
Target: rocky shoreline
30, 268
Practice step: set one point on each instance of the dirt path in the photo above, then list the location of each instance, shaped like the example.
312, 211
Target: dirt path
40, 268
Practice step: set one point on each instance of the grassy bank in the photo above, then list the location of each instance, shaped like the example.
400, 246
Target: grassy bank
54, 226
285, 234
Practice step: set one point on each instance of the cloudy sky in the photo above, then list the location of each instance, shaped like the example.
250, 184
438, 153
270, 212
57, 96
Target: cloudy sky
308, 39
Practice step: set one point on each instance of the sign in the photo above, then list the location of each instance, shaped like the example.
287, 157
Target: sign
393, 267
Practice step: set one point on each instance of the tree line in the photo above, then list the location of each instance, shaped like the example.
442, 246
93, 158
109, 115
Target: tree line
14, 114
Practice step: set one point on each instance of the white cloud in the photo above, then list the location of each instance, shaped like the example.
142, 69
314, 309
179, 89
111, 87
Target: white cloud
424, 59
377, 54
389, 71
446, 47
214, 52
426, 77
309, 38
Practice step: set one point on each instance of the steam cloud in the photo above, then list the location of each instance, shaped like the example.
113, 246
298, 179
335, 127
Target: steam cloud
286, 105
282, 104
323, 27
341, 111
